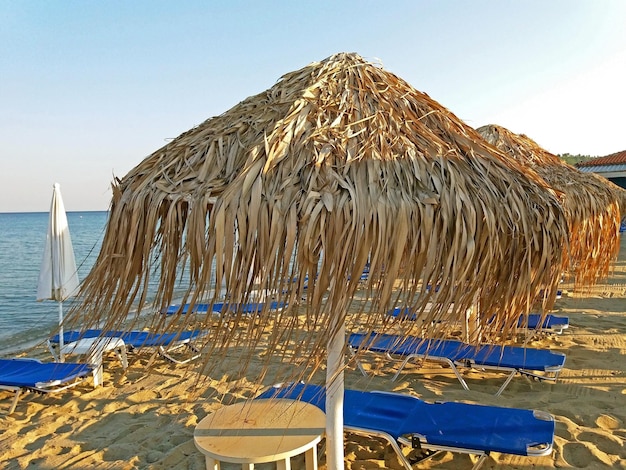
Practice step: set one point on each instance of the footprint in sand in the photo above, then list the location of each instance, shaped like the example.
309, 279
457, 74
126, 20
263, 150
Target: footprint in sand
577, 455
608, 445
608, 422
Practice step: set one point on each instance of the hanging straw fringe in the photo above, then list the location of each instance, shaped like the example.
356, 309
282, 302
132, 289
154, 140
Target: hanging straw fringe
591, 206
340, 164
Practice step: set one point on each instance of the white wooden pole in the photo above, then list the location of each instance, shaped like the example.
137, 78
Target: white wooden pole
61, 357
334, 398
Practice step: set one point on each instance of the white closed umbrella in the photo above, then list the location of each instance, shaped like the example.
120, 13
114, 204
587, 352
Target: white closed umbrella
58, 277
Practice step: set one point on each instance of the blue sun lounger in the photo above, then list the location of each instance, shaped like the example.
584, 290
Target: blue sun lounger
551, 324
164, 343
19, 375
252, 307
530, 323
559, 292
538, 363
404, 420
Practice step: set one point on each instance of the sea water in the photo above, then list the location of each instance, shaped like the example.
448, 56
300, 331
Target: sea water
23, 320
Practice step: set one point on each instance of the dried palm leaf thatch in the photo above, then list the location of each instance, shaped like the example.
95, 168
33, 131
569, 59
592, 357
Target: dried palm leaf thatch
339, 165
618, 192
591, 206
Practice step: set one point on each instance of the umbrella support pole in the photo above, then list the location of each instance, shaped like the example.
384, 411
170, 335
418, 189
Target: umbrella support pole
334, 398
61, 355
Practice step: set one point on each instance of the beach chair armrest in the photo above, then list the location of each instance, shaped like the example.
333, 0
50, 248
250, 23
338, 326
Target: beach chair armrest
541, 448
48, 384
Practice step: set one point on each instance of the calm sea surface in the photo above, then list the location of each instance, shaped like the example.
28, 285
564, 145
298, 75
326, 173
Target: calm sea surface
23, 320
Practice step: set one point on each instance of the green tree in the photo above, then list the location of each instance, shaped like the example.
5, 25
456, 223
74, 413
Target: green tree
574, 159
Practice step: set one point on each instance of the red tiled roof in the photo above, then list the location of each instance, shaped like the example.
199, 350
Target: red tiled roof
613, 159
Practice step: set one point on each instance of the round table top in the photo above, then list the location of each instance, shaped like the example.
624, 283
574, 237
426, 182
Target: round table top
258, 431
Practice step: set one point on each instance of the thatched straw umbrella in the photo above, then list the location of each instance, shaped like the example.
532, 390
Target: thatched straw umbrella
591, 206
338, 165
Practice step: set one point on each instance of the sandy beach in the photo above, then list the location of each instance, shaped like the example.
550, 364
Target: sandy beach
146, 421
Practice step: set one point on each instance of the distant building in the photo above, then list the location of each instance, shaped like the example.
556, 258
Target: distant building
612, 167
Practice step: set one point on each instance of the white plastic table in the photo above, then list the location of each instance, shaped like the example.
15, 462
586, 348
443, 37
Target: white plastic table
94, 349
260, 431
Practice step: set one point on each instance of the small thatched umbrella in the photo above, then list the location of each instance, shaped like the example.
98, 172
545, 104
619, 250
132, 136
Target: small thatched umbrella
338, 165
618, 192
591, 206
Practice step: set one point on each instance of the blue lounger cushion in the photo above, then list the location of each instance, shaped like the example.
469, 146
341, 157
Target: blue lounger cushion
441, 426
551, 323
252, 307
539, 363
18, 375
34, 374
132, 339
559, 293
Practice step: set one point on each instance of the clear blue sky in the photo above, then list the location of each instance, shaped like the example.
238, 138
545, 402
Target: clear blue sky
90, 88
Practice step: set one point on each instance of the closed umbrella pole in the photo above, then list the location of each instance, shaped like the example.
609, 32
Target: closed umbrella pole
61, 357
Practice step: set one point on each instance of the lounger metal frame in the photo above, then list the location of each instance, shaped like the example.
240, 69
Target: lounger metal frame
164, 351
417, 441
546, 329
549, 374
195, 352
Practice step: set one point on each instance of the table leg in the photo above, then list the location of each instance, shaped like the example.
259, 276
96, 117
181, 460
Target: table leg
310, 458
97, 374
212, 464
54, 350
96, 361
123, 357
284, 464
247, 466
